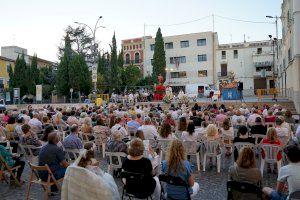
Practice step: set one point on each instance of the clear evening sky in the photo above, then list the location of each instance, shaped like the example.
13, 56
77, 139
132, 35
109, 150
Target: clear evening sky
38, 25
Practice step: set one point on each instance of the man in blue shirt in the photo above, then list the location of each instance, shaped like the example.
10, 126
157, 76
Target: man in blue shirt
54, 157
72, 141
133, 123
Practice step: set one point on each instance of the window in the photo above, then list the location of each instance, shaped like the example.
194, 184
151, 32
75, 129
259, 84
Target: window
202, 58
223, 69
133, 46
259, 50
140, 46
130, 47
235, 54
8, 66
136, 46
201, 42
223, 54
180, 59
136, 58
127, 59
124, 48
152, 47
283, 63
289, 55
202, 73
1, 81
178, 74
184, 44
169, 45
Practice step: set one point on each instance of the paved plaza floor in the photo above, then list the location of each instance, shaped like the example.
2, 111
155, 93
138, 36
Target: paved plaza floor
212, 184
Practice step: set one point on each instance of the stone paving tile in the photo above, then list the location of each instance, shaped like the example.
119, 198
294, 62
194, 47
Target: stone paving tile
212, 184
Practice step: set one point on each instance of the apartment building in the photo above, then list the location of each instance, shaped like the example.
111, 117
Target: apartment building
289, 52
190, 58
250, 62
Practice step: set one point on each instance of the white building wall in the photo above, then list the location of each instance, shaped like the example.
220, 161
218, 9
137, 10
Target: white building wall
12, 52
191, 66
290, 76
244, 65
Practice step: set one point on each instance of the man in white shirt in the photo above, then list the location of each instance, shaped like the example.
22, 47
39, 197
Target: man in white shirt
35, 124
288, 175
149, 130
118, 127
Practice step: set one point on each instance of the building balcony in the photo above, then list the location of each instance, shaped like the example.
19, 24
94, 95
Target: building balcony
263, 64
262, 53
222, 75
129, 62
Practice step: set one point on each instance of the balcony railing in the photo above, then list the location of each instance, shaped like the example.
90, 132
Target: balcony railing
128, 62
222, 75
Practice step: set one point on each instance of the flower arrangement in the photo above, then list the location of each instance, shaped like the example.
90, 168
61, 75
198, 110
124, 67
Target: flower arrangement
183, 99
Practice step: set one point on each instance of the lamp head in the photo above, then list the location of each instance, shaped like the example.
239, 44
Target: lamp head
268, 16
270, 36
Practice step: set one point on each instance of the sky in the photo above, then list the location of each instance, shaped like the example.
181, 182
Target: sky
38, 25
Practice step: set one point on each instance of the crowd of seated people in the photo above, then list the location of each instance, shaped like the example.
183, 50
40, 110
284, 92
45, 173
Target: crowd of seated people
54, 130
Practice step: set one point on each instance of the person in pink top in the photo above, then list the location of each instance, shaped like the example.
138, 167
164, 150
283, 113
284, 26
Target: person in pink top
220, 117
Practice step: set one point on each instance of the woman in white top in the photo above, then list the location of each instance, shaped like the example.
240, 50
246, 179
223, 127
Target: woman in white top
190, 134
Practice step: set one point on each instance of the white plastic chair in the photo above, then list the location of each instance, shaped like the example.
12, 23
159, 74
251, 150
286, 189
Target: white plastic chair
100, 140
27, 150
191, 148
211, 150
271, 152
163, 143
112, 165
131, 130
269, 124
72, 154
239, 145
257, 137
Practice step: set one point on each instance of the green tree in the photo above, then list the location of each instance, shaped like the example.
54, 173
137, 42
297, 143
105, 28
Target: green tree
101, 86
79, 75
148, 80
62, 77
21, 75
34, 70
120, 59
11, 83
159, 57
132, 74
47, 79
114, 72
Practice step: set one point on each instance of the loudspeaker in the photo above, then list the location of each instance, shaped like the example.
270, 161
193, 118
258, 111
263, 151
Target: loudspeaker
240, 86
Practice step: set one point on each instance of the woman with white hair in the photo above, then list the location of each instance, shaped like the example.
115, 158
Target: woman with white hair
115, 144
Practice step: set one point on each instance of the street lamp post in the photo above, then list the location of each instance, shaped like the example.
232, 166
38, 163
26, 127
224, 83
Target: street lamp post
276, 26
274, 42
94, 45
